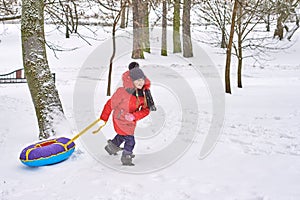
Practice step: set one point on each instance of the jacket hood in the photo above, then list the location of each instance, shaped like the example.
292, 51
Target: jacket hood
127, 81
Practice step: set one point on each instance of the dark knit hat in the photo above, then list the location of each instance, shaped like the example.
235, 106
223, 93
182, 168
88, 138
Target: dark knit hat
133, 65
136, 73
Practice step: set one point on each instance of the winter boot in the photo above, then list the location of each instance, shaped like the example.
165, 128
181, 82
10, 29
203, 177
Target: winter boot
126, 158
111, 148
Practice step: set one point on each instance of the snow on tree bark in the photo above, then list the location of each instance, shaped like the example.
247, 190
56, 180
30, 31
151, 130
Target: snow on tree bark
43, 91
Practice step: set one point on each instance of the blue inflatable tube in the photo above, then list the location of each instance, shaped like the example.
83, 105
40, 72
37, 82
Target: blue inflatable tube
47, 152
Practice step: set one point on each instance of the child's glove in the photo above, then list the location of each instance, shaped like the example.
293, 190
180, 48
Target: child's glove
129, 117
96, 131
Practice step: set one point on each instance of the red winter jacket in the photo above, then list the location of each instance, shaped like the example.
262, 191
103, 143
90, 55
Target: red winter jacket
123, 102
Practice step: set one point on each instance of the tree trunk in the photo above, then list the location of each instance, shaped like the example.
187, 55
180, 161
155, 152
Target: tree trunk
240, 50
116, 20
268, 23
291, 33
146, 35
67, 22
123, 15
127, 16
228, 52
267, 8
44, 95
76, 18
279, 29
137, 51
164, 30
176, 27
223, 40
111, 61
186, 30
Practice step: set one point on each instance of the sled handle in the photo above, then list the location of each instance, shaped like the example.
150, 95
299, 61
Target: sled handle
97, 130
83, 131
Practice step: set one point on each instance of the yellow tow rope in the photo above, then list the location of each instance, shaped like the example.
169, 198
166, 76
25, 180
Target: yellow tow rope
86, 129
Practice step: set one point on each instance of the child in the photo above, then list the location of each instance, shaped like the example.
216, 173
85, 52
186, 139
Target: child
128, 84
129, 105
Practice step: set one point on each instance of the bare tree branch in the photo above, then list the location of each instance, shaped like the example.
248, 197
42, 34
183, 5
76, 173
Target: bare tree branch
7, 18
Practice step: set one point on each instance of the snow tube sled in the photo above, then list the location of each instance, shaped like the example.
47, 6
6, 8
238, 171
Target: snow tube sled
47, 152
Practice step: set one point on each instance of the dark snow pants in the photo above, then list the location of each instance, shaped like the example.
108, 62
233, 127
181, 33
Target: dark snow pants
129, 142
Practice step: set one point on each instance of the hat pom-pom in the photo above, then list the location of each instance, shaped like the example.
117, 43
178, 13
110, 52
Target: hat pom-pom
133, 65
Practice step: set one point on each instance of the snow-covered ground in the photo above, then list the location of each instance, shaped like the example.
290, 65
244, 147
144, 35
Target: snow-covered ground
256, 156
